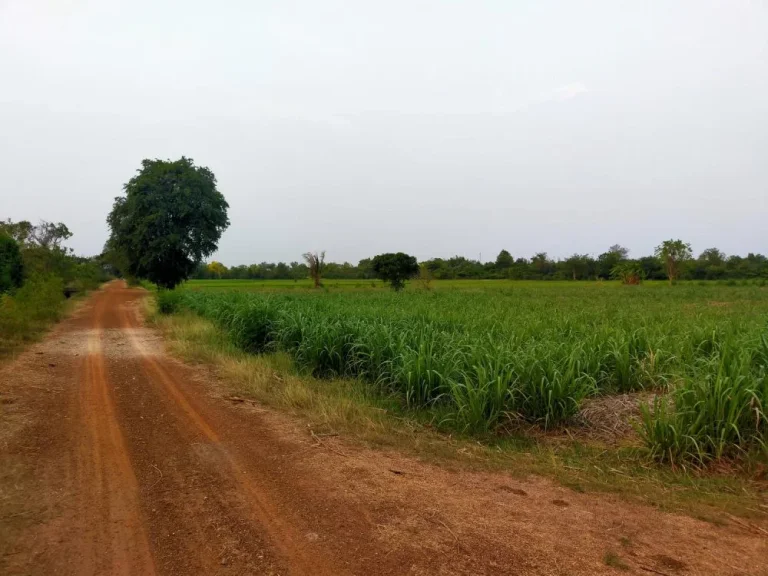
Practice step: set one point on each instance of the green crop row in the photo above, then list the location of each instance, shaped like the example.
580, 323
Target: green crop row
532, 353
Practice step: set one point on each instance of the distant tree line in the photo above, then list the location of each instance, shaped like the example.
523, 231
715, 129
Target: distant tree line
672, 257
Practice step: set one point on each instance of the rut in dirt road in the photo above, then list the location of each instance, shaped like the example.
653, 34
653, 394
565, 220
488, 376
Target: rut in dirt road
120, 460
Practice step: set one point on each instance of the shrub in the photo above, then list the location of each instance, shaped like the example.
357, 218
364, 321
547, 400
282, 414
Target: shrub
168, 301
11, 264
29, 310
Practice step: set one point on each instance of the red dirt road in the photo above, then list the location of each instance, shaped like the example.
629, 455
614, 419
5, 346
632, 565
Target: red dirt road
116, 459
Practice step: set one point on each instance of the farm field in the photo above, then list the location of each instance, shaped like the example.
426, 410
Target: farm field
482, 356
441, 285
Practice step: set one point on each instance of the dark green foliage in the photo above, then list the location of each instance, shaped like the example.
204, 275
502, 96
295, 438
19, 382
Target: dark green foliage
11, 264
711, 265
168, 301
504, 260
395, 268
170, 218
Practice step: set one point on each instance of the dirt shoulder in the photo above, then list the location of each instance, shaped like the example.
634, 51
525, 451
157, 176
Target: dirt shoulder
118, 459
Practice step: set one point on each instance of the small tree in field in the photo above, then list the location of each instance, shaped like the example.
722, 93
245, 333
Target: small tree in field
315, 263
395, 268
217, 269
425, 276
672, 254
630, 273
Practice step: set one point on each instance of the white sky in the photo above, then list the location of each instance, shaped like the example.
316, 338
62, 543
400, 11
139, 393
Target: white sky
432, 127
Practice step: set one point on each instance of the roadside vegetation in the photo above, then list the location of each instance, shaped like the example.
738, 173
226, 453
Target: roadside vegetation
37, 276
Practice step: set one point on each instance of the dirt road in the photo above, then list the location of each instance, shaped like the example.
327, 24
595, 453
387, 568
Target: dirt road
116, 459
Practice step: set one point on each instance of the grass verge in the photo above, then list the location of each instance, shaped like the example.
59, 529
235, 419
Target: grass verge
27, 315
362, 415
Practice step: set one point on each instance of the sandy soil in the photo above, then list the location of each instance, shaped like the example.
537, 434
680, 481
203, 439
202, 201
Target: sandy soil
117, 459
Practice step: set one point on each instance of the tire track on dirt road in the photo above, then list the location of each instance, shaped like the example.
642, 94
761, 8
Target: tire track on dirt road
288, 543
114, 540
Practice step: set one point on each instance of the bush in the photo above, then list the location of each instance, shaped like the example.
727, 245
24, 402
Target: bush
11, 264
29, 310
168, 301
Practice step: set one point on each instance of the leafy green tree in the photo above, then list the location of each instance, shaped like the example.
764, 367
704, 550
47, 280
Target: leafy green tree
299, 271
11, 264
673, 253
709, 265
364, 269
651, 267
395, 268
578, 266
542, 266
170, 218
504, 261
608, 260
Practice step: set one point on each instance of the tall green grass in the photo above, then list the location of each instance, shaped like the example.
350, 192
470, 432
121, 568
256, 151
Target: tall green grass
29, 310
529, 351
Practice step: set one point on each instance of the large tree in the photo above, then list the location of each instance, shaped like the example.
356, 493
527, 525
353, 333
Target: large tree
672, 254
395, 268
608, 260
170, 218
504, 260
578, 266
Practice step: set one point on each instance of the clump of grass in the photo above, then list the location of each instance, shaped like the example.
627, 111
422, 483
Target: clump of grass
718, 412
614, 561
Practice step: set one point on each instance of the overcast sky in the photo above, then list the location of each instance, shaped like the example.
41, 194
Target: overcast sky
432, 127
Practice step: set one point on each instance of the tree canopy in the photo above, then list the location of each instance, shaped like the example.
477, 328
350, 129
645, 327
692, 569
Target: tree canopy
712, 264
170, 218
395, 268
504, 260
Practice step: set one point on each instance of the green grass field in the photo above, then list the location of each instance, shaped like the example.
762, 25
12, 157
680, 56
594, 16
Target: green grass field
476, 354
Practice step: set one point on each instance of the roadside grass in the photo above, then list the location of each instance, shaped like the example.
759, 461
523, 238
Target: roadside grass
365, 415
27, 314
